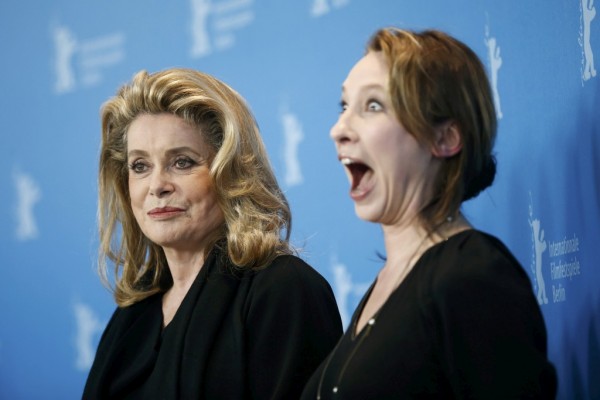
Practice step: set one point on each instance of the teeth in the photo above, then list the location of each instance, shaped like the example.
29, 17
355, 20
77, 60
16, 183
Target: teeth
346, 161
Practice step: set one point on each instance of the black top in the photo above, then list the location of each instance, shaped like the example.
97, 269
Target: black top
464, 324
237, 335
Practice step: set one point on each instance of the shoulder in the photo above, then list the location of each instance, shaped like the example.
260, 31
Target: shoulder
289, 269
474, 277
476, 243
291, 264
474, 252
474, 258
288, 277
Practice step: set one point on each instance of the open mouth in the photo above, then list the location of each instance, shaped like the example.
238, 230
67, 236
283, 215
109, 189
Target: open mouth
360, 173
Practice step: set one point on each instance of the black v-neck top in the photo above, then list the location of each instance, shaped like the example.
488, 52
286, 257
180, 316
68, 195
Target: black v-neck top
240, 335
464, 324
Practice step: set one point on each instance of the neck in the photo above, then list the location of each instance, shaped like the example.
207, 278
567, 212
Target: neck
401, 241
414, 239
184, 266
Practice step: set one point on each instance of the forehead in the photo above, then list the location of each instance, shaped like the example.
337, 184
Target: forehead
371, 70
162, 129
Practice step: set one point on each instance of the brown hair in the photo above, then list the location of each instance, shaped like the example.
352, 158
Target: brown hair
434, 79
255, 210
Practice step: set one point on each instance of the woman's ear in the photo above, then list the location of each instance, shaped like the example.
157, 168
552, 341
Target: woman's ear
448, 140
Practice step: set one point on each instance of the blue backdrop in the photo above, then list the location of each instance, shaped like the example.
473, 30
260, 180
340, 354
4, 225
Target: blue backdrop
62, 59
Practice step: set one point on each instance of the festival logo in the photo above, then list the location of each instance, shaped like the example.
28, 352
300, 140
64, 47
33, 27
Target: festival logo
539, 247
347, 293
28, 194
293, 134
89, 327
322, 7
588, 13
495, 62
561, 258
214, 24
65, 45
200, 37
82, 62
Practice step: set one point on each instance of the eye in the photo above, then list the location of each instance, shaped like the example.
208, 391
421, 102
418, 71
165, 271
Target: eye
138, 167
374, 105
184, 163
343, 106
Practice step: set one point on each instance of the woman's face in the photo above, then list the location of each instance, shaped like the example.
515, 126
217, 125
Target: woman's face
390, 173
170, 187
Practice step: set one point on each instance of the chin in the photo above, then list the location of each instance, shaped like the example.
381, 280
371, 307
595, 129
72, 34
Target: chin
366, 215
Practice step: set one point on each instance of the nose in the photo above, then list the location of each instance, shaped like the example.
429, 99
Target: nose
160, 183
342, 131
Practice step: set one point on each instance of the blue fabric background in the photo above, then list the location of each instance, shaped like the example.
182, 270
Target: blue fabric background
62, 59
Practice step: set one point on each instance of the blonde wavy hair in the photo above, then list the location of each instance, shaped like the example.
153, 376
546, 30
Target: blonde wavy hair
257, 218
435, 79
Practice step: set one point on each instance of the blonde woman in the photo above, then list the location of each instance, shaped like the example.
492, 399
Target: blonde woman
211, 301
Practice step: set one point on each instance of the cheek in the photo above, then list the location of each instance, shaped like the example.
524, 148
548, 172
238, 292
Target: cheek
135, 198
200, 182
213, 200
208, 197
385, 149
136, 202
201, 191
385, 137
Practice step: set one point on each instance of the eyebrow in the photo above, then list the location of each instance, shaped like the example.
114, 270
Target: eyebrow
370, 86
170, 152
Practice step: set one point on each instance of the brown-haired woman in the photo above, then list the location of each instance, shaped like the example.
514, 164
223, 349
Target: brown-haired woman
451, 313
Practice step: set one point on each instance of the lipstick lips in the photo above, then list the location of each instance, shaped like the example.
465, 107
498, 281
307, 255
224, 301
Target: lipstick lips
164, 212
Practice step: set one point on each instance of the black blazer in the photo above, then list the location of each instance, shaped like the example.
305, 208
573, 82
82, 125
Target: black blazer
236, 335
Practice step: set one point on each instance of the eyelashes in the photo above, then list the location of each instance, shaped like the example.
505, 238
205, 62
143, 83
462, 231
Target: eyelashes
181, 164
371, 104
374, 105
138, 167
